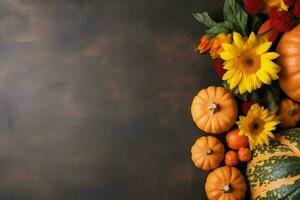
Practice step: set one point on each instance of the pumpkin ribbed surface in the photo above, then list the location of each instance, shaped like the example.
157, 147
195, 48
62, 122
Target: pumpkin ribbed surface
214, 110
289, 60
207, 152
274, 171
225, 183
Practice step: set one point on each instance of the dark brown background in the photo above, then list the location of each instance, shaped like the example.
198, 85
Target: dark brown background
95, 98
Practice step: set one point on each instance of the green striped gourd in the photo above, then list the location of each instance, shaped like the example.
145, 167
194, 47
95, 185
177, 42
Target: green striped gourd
274, 171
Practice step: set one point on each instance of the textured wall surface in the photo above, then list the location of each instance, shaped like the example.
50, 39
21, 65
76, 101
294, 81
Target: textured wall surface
95, 98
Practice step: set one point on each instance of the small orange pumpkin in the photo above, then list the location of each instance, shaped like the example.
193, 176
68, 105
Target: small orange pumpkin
289, 113
207, 152
214, 110
225, 183
289, 60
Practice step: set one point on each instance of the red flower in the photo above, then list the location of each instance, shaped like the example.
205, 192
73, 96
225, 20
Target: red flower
288, 2
247, 105
280, 20
218, 64
266, 31
297, 8
253, 6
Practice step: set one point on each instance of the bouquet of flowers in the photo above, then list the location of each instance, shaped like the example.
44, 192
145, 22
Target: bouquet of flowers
256, 53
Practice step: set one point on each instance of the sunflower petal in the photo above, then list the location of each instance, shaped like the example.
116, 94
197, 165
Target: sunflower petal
271, 68
242, 86
229, 64
231, 48
229, 74
263, 48
255, 82
248, 83
226, 55
269, 55
251, 42
235, 80
238, 41
272, 124
268, 65
263, 76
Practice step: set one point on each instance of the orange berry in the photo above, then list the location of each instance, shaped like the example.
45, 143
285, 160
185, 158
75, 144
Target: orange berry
236, 141
244, 154
231, 158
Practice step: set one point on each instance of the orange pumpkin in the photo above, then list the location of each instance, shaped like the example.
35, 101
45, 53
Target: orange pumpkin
214, 110
289, 113
207, 152
225, 183
289, 60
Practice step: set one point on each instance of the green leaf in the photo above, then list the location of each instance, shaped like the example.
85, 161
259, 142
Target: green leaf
235, 92
255, 97
205, 19
243, 97
256, 23
271, 97
270, 101
236, 15
222, 27
226, 86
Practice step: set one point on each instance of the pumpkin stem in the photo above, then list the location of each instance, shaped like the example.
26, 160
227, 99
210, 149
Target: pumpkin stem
209, 151
214, 107
226, 188
292, 111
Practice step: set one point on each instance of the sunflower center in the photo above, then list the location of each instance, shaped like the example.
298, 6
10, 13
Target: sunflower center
256, 126
249, 62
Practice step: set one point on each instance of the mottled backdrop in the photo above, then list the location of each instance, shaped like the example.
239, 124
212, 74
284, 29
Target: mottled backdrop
95, 98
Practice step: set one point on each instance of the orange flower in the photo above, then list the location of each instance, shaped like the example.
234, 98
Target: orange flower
205, 44
217, 48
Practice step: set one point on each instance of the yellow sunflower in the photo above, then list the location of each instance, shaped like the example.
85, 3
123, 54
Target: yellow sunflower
248, 63
258, 125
